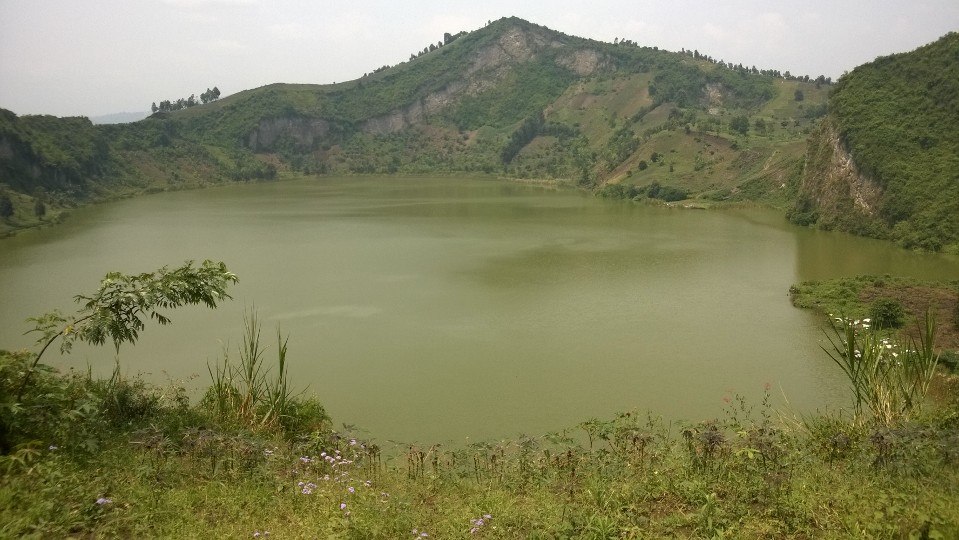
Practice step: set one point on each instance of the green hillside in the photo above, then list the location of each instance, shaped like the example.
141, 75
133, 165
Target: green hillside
898, 118
513, 99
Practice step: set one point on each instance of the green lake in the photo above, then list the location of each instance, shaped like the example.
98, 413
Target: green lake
441, 309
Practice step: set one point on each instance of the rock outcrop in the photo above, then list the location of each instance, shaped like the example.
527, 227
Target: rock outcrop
833, 192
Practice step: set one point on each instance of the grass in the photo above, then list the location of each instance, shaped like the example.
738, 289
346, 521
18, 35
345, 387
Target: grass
852, 297
120, 458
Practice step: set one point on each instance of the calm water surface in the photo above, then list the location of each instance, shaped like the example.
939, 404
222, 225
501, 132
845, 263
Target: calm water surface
436, 309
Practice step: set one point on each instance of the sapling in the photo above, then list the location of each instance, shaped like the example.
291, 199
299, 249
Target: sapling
122, 303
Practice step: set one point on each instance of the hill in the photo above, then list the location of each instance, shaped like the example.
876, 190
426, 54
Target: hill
885, 161
119, 118
512, 98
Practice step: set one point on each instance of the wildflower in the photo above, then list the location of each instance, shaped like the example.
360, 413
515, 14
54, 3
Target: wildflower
305, 459
351, 489
323, 455
268, 452
368, 483
308, 488
352, 442
867, 320
342, 506
104, 500
54, 447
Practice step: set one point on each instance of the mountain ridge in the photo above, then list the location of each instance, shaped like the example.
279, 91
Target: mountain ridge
513, 98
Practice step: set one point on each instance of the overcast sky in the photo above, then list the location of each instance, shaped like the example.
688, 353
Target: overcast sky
95, 57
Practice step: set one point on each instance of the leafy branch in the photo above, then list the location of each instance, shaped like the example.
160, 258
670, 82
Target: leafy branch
119, 308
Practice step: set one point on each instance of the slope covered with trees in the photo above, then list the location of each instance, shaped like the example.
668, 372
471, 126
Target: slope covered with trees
894, 125
512, 98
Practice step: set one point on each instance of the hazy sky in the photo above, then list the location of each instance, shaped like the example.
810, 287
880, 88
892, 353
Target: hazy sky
94, 57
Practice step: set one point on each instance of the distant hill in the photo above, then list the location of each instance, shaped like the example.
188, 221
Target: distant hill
513, 99
119, 118
885, 162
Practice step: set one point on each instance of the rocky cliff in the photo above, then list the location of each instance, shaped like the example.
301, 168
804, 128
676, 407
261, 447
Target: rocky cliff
833, 192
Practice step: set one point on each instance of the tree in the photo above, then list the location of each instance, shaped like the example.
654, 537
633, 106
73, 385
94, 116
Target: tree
118, 308
798, 95
739, 124
39, 208
6, 206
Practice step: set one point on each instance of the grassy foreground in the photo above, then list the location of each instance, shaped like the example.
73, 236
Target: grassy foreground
120, 458
83, 457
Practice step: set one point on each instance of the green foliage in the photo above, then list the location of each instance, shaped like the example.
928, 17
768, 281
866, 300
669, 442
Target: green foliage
523, 93
739, 124
896, 116
55, 154
119, 306
6, 206
754, 472
526, 132
665, 193
250, 395
890, 377
887, 313
39, 209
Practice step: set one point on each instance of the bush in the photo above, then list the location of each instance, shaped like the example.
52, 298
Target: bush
887, 313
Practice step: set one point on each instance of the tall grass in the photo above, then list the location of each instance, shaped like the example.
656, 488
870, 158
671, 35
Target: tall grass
249, 392
889, 376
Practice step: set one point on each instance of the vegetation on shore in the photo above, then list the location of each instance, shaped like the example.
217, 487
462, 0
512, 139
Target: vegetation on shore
253, 458
896, 299
896, 118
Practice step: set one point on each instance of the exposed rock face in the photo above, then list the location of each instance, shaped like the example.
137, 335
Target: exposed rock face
304, 131
582, 62
401, 119
833, 187
487, 67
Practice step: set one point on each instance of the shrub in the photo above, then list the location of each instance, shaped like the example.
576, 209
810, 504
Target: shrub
887, 313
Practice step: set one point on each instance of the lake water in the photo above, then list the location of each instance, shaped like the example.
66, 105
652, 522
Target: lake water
432, 309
